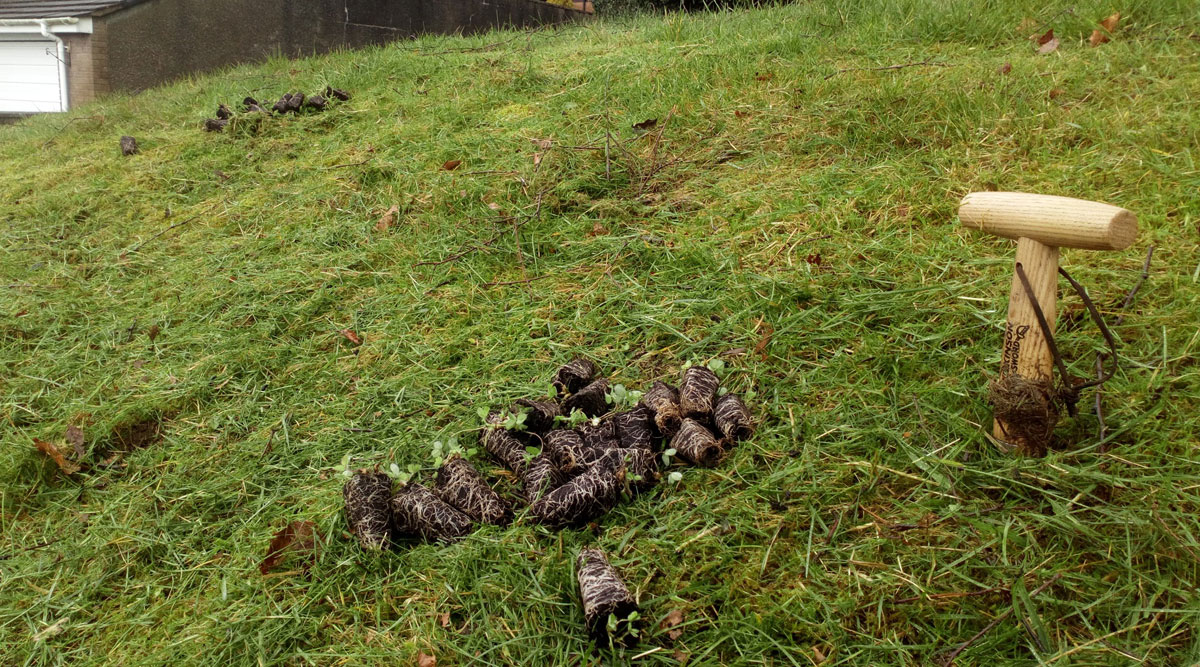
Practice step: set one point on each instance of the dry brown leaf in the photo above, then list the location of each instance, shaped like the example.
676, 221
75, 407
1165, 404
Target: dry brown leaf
681, 657
537, 159
1055, 93
65, 465
1049, 47
298, 537
388, 219
647, 124
741, 114
543, 144
351, 336
424, 660
153, 332
75, 439
1043, 39
451, 165
670, 623
1097, 38
818, 656
764, 340
1004, 69
1110, 23
765, 76
444, 617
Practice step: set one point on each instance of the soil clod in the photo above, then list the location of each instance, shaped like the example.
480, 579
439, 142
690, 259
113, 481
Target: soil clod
215, 124
697, 393
336, 94
461, 486
129, 145
695, 444
574, 375
635, 428
601, 436
224, 112
663, 401
568, 451
732, 418
591, 400
641, 467
503, 447
541, 477
416, 511
604, 596
539, 416
367, 495
580, 500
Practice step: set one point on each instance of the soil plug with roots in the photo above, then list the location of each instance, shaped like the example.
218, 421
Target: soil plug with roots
591, 400
663, 401
503, 446
567, 449
540, 415
635, 429
541, 477
609, 611
574, 375
695, 444
697, 392
641, 468
417, 511
582, 499
367, 495
601, 436
732, 418
461, 486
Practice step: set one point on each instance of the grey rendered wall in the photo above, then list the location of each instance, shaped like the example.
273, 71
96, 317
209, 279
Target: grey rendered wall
160, 40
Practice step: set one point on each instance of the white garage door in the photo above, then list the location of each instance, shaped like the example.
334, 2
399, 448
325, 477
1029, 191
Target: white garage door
29, 77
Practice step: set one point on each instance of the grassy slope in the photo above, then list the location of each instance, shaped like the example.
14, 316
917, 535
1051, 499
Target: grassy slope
870, 494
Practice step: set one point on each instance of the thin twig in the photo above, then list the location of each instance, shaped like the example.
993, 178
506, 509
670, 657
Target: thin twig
923, 63
997, 621
178, 224
1101, 356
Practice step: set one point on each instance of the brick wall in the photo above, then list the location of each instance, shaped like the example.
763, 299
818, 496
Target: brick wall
87, 71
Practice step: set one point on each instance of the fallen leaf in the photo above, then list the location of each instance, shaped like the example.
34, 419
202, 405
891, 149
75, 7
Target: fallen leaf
765, 76
75, 438
1048, 43
1110, 23
764, 340
388, 219
445, 619
424, 660
814, 259
1043, 39
1055, 93
818, 656
537, 159
647, 124
673, 619
152, 332
1097, 38
1004, 69
297, 537
351, 336
543, 144
53, 452
681, 657
741, 114
451, 165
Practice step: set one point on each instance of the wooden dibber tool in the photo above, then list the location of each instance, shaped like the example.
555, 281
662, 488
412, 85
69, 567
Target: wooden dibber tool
1040, 224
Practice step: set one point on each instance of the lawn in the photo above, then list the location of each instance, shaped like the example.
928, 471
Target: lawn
225, 316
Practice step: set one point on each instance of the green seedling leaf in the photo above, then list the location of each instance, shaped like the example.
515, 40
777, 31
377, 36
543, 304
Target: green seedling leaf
675, 477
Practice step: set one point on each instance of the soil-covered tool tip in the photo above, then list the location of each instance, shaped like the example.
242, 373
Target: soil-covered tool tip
697, 393
574, 375
608, 607
663, 401
1028, 410
539, 415
591, 400
696, 444
732, 418
368, 512
462, 487
417, 512
580, 500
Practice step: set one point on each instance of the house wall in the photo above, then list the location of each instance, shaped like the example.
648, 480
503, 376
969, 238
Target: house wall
160, 40
87, 71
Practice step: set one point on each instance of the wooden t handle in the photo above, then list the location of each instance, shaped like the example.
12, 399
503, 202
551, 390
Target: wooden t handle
1054, 221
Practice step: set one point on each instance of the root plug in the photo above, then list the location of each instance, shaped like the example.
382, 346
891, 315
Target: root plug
641, 467
663, 401
695, 444
568, 451
635, 428
336, 94
604, 596
697, 393
416, 511
732, 418
215, 124
224, 112
601, 437
368, 512
460, 485
294, 102
541, 477
539, 416
580, 500
574, 375
591, 400
316, 103
503, 447
129, 145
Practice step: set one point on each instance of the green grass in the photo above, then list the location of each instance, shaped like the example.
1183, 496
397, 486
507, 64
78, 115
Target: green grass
777, 199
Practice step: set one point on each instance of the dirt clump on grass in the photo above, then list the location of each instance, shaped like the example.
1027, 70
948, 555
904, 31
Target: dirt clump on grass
608, 608
367, 496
